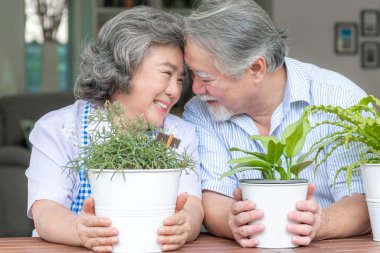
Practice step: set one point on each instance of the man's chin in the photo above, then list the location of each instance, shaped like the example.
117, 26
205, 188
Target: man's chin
219, 113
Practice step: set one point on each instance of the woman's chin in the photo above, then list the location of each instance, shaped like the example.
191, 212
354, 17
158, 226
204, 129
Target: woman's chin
156, 122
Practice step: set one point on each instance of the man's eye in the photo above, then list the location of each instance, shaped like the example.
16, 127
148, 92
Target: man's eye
166, 73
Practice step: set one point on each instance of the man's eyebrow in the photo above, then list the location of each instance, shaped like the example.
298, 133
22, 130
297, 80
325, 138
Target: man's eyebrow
202, 74
172, 66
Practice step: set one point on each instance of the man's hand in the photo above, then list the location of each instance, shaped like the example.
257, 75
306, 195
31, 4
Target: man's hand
95, 233
242, 213
176, 229
308, 219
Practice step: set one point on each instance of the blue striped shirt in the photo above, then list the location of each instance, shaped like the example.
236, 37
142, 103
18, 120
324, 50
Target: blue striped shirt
306, 85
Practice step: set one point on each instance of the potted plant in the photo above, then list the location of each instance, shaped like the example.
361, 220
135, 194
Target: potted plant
357, 125
277, 192
134, 177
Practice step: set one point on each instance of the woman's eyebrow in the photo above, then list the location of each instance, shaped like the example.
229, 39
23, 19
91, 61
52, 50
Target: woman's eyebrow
172, 66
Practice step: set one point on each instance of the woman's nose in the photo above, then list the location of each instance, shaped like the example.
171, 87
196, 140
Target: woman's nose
173, 89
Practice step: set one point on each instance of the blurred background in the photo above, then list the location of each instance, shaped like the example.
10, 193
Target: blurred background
41, 39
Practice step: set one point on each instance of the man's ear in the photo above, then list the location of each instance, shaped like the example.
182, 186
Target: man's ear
258, 68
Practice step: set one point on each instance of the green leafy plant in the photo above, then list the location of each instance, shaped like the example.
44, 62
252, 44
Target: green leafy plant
270, 162
119, 143
358, 124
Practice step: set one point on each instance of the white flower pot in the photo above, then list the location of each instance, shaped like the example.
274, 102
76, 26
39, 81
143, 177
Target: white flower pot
276, 199
371, 176
137, 202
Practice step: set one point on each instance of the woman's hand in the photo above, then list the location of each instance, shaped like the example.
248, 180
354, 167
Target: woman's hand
176, 229
95, 233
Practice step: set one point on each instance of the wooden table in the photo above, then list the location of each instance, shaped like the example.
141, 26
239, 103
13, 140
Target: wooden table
204, 244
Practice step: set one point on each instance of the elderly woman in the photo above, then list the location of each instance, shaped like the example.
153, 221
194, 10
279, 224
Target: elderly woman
137, 60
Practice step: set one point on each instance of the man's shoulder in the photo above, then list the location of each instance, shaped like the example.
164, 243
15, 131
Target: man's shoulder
326, 86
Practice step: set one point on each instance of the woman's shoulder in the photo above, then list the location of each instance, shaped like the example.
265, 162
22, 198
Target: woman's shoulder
181, 129
60, 123
67, 113
174, 122
58, 132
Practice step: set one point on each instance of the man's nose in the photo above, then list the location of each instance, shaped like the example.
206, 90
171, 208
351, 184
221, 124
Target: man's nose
198, 86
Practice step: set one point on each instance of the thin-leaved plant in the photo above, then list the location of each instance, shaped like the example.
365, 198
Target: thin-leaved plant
358, 124
119, 143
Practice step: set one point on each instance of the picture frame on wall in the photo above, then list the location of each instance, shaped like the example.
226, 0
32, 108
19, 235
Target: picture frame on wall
346, 38
370, 22
370, 54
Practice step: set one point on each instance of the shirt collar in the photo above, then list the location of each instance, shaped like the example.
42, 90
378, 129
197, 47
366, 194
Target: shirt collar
297, 90
297, 84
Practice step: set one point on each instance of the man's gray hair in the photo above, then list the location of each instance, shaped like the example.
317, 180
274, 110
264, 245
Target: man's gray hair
236, 33
109, 63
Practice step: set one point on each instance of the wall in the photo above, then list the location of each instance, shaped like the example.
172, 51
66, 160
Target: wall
80, 31
310, 26
12, 78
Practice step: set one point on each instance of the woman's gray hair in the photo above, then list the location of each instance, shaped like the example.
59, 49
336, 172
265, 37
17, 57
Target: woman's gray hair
109, 63
236, 33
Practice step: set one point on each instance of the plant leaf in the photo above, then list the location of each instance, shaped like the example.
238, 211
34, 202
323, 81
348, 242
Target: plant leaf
250, 162
275, 151
298, 167
264, 140
257, 154
321, 144
237, 170
244, 160
282, 172
294, 137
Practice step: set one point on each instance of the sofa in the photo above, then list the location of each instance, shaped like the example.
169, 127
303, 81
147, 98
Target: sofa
15, 112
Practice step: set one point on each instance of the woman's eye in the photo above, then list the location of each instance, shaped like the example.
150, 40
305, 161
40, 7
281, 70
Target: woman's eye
180, 81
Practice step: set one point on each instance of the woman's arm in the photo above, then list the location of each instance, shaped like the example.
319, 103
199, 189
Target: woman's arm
55, 223
194, 208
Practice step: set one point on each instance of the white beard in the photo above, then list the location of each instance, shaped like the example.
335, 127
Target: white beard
218, 112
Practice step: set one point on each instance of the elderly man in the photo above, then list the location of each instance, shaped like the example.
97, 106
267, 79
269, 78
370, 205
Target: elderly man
246, 85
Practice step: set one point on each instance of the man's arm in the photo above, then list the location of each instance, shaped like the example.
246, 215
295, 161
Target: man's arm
345, 218
225, 217
216, 209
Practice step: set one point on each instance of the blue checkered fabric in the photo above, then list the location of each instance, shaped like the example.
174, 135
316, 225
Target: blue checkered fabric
85, 187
